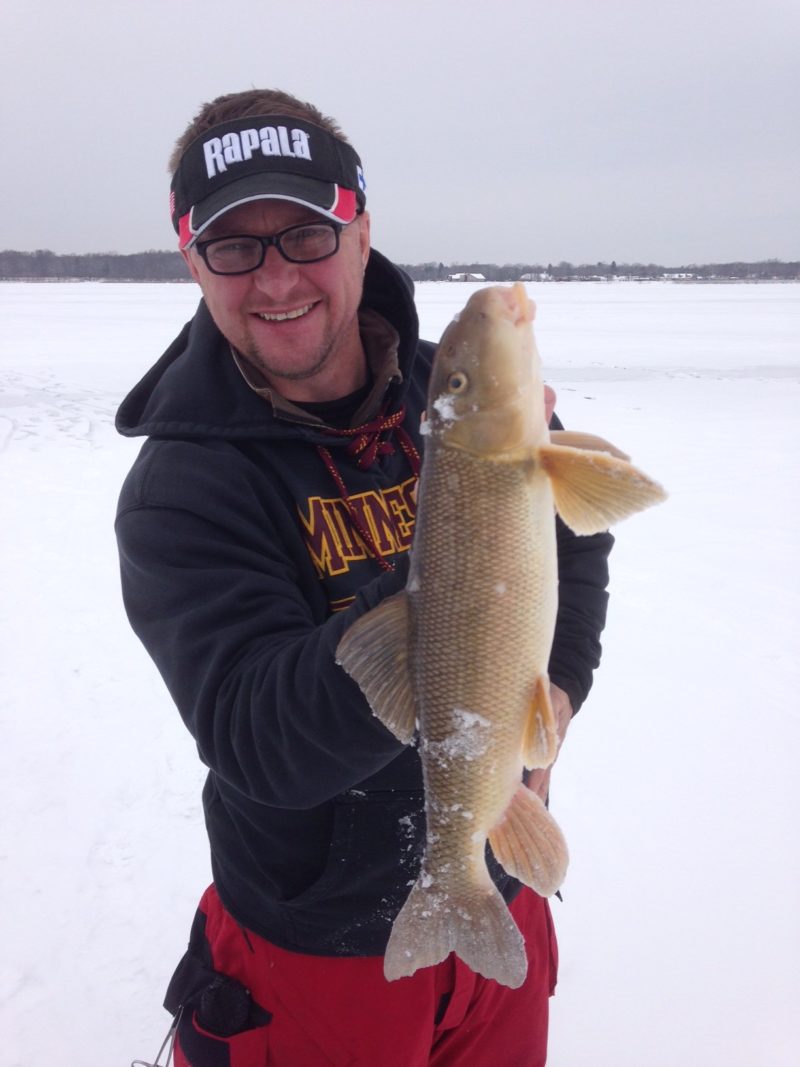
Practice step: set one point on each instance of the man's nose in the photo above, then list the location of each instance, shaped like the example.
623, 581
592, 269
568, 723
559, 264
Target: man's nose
276, 274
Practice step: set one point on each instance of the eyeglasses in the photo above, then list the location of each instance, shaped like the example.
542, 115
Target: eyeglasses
242, 253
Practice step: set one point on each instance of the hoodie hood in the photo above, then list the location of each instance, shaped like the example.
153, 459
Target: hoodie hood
196, 390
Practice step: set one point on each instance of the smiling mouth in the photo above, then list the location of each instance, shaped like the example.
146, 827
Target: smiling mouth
284, 316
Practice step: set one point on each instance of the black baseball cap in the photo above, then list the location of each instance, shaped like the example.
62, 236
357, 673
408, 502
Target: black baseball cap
261, 158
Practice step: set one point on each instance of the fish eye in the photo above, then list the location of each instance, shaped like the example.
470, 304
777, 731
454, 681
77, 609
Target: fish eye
457, 382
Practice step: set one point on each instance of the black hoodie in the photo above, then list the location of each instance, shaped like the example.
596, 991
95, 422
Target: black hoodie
241, 569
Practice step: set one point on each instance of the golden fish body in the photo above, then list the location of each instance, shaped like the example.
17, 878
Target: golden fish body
462, 653
479, 645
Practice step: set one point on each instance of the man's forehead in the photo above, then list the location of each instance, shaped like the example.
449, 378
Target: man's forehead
261, 217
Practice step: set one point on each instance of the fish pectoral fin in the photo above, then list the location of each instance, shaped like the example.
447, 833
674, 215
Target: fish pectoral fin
374, 652
593, 489
529, 844
540, 735
591, 442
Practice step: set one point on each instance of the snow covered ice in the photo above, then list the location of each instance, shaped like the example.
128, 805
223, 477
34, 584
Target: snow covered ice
676, 787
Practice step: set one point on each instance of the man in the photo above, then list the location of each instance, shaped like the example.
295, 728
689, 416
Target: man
272, 505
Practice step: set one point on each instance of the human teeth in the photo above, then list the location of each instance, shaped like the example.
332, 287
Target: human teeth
282, 316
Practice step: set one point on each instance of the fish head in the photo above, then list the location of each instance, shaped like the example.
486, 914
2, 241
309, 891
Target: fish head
485, 394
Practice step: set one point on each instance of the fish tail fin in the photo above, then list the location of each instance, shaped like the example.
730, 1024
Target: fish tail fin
476, 925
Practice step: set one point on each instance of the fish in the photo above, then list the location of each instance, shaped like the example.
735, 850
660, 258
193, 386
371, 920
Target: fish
460, 656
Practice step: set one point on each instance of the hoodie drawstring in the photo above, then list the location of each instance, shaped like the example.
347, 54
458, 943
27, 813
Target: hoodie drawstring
370, 441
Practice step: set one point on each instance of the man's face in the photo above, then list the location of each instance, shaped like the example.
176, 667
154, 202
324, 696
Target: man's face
315, 355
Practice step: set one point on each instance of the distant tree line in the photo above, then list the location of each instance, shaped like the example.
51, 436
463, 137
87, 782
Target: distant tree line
44, 265
94, 266
765, 270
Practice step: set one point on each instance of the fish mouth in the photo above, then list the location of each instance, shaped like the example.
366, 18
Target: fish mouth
510, 304
523, 309
286, 316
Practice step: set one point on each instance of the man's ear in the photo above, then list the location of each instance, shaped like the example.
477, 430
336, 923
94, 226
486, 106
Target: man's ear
189, 260
363, 236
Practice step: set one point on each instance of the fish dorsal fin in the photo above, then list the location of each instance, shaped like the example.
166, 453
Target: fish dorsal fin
591, 442
592, 490
529, 845
540, 735
374, 652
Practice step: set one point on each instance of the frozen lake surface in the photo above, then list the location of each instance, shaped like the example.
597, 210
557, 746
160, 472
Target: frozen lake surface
677, 786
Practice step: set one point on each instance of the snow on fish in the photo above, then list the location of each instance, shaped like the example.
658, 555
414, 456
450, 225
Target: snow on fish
462, 653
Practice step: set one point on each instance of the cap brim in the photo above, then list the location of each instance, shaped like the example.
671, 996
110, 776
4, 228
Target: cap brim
325, 198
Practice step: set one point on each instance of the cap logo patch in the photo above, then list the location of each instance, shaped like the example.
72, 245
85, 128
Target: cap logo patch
221, 152
262, 157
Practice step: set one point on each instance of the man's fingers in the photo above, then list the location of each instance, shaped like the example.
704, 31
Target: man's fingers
539, 782
549, 402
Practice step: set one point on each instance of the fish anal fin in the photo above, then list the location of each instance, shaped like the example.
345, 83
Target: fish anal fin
540, 734
475, 924
592, 490
589, 441
374, 652
529, 844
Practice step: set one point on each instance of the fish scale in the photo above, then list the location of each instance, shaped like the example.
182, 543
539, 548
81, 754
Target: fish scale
504, 617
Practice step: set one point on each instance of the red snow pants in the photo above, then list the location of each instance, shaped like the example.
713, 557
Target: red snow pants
341, 1012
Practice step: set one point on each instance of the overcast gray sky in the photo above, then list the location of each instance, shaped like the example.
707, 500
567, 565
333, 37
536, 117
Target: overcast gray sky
579, 130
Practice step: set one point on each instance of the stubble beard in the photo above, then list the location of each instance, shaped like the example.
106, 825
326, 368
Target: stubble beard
330, 348
252, 354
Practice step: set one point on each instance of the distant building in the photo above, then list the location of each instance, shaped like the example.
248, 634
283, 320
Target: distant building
466, 278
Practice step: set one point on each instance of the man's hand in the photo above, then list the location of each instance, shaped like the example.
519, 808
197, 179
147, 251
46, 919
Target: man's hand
539, 780
549, 403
